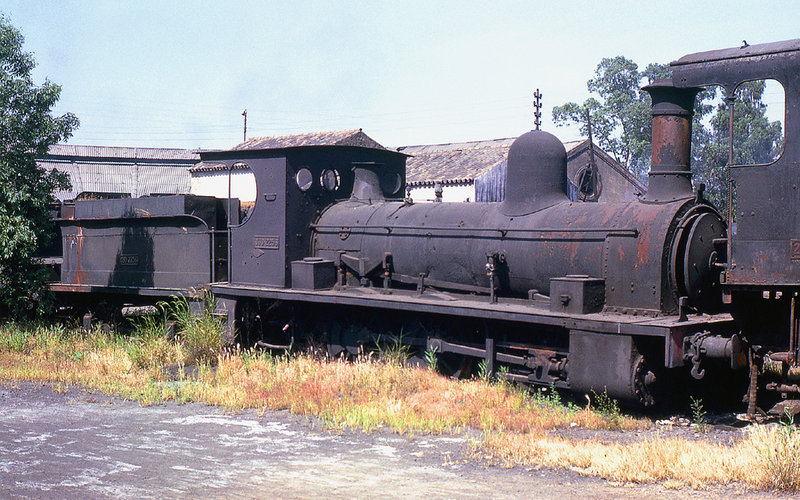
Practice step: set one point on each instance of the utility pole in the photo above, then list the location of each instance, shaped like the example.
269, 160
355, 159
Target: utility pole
244, 113
537, 105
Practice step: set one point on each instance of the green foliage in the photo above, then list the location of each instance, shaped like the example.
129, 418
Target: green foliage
151, 348
698, 414
395, 352
200, 332
619, 111
27, 130
547, 396
606, 406
483, 371
621, 124
432, 358
756, 140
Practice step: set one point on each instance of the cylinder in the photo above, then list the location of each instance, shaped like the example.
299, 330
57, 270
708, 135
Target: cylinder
670, 176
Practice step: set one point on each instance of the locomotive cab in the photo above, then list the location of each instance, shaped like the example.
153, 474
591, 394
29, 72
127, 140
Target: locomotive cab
761, 277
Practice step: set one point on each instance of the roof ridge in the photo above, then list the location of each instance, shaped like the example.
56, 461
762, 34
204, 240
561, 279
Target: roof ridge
351, 131
459, 142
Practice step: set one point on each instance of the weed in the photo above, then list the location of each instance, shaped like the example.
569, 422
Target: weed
151, 348
483, 371
502, 375
14, 338
395, 352
432, 358
698, 414
201, 333
606, 405
547, 396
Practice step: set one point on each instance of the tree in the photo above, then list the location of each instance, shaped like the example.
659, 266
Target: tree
622, 125
756, 140
27, 130
620, 112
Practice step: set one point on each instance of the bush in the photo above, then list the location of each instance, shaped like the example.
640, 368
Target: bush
200, 334
152, 348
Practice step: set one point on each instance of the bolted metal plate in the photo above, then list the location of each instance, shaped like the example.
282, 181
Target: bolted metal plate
700, 276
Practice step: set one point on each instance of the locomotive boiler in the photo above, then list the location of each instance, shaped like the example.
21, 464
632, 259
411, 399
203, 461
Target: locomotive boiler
649, 253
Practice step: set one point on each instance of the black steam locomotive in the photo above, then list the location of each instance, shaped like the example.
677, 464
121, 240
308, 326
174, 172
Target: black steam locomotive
621, 297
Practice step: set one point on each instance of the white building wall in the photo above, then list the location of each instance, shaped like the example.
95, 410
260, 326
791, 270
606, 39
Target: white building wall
450, 193
243, 184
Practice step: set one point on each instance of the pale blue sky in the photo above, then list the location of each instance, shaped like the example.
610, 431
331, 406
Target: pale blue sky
178, 74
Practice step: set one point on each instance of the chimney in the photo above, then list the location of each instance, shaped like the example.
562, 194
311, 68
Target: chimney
670, 175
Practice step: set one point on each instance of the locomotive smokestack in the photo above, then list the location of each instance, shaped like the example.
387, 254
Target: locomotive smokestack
670, 175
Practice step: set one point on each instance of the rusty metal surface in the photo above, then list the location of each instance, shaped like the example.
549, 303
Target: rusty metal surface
524, 311
99, 290
475, 306
162, 242
767, 205
622, 243
670, 175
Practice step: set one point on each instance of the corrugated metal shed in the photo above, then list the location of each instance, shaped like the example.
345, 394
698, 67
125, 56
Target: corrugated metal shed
355, 137
114, 152
120, 170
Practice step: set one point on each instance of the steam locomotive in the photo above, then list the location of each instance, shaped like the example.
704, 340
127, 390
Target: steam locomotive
587, 296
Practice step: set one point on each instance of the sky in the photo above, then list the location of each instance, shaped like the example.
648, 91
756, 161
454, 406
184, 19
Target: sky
179, 74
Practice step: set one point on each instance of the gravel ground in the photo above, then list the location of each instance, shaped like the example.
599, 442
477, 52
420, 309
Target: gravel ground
60, 444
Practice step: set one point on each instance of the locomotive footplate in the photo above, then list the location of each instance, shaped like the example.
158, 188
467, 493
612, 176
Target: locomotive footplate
63, 288
532, 312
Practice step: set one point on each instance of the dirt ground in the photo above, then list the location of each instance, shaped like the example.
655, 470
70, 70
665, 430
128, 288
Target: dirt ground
72, 443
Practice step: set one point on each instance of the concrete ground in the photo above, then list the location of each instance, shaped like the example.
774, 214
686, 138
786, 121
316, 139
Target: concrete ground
74, 444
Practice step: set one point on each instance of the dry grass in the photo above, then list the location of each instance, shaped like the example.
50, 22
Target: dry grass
369, 394
767, 458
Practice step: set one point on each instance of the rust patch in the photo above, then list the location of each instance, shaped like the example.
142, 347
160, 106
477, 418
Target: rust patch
80, 272
795, 250
643, 250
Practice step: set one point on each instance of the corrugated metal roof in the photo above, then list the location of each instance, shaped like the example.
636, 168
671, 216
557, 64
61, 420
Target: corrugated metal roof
355, 137
126, 153
133, 179
124, 170
458, 161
